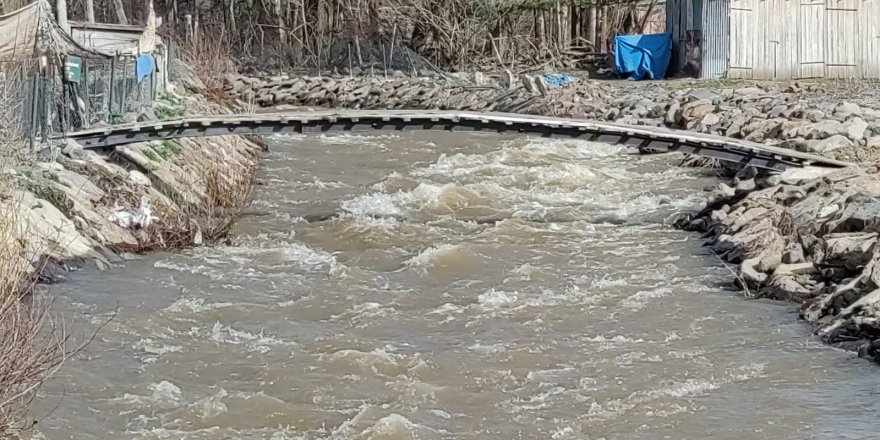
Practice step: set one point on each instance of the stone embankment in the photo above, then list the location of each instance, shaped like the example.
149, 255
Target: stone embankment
808, 236
799, 116
72, 206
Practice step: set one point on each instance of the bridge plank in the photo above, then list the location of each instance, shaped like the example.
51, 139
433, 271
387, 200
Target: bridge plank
728, 149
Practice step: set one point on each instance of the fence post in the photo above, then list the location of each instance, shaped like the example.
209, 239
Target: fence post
112, 84
87, 100
123, 105
44, 107
153, 81
35, 91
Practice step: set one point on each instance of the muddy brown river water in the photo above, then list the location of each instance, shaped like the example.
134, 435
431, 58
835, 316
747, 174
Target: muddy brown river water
444, 286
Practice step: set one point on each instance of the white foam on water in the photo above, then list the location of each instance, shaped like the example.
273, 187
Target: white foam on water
440, 413
211, 406
365, 314
317, 183
180, 267
378, 205
253, 342
150, 346
681, 389
311, 259
496, 299
394, 427
640, 299
447, 309
164, 394
358, 140
378, 361
608, 282
563, 433
195, 305
500, 347
539, 400
432, 255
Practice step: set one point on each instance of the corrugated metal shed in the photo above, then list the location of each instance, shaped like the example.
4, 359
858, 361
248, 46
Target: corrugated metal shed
715, 48
783, 39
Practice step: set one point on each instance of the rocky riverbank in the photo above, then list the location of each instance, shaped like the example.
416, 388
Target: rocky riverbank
72, 206
808, 237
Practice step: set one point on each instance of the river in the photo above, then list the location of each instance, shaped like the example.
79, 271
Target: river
448, 286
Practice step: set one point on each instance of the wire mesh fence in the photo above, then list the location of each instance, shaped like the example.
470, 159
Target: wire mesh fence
38, 102
130, 92
16, 88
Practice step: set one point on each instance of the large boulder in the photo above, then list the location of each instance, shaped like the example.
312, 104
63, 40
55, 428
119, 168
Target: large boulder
830, 144
696, 110
846, 109
855, 128
849, 250
822, 129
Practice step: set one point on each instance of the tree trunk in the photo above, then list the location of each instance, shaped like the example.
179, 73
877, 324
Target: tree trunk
592, 27
232, 25
90, 11
605, 31
541, 31
62, 15
120, 12
279, 13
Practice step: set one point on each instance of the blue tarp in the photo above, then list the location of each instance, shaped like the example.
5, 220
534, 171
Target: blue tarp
643, 56
144, 66
558, 79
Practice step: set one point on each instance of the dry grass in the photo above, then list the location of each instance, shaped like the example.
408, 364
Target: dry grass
211, 60
221, 186
32, 345
228, 188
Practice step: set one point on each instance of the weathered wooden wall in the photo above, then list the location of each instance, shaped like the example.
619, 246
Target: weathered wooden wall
792, 39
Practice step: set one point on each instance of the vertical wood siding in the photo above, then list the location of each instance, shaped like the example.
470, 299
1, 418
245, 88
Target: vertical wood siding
789, 39
869, 26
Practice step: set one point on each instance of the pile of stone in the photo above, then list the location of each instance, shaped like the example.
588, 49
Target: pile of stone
809, 236
792, 116
480, 93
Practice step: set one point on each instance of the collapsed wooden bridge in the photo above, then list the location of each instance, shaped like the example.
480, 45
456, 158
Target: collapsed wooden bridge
647, 139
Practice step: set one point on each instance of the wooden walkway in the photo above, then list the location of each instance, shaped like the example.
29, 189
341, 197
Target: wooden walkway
647, 139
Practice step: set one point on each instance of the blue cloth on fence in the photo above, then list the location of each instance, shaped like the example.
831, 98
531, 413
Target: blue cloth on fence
558, 79
145, 65
643, 56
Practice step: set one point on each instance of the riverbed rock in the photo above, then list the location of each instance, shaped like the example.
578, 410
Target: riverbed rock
696, 110
793, 254
822, 129
846, 109
849, 250
788, 287
752, 278
528, 83
508, 80
855, 128
830, 144
814, 115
